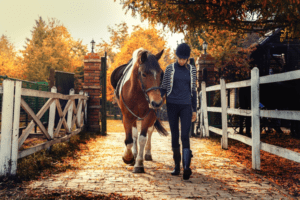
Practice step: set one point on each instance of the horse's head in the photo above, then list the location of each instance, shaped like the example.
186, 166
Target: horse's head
150, 77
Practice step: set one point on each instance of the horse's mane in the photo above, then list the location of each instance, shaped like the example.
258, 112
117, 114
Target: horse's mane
151, 62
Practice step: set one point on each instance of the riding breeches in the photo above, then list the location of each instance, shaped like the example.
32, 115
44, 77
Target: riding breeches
184, 112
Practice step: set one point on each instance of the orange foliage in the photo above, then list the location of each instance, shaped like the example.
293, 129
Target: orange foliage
51, 46
10, 63
229, 51
148, 38
234, 15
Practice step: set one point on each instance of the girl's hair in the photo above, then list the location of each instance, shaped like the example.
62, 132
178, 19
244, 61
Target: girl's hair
186, 66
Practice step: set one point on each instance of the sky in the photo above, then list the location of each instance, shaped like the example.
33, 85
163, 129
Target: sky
84, 19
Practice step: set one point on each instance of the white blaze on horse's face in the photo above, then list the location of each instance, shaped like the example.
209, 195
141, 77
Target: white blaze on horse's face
150, 75
154, 74
153, 79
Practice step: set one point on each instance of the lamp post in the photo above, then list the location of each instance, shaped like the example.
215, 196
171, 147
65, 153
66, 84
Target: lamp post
93, 45
205, 47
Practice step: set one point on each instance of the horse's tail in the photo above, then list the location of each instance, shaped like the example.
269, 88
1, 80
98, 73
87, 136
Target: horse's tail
159, 127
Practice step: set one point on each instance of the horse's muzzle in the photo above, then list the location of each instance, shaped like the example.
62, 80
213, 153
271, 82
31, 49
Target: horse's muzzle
156, 105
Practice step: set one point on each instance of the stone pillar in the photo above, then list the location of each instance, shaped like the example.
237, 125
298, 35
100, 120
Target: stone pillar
92, 69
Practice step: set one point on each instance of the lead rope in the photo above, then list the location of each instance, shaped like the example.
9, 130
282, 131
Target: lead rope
131, 111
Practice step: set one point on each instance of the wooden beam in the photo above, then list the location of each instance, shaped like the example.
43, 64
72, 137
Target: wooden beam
224, 114
16, 125
6, 131
242, 112
43, 94
215, 130
204, 104
214, 109
52, 112
47, 144
238, 84
70, 111
241, 138
62, 114
31, 124
255, 118
279, 151
213, 88
281, 114
292, 75
36, 118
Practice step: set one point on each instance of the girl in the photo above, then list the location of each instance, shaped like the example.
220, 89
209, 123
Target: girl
179, 83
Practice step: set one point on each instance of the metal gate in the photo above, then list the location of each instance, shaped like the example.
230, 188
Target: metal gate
64, 82
35, 103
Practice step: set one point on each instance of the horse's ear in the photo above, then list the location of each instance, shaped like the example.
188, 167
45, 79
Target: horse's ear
158, 56
143, 57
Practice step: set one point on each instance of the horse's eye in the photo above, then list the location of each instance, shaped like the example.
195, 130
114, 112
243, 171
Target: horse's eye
144, 75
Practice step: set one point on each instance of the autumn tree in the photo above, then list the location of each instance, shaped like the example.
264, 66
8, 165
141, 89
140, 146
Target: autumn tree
148, 38
230, 51
10, 62
118, 35
233, 15
51, 46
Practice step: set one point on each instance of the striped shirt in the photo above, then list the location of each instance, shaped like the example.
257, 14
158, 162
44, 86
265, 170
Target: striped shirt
167, 83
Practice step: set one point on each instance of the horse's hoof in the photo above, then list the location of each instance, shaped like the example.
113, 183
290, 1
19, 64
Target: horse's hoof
128, 161
138, 170
148, 157
133, 163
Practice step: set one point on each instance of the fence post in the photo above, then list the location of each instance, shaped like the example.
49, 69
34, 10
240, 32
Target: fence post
103, 103
201, 126
204, 104
255, 118
85, 108
16, 125
6, 127
70, 111
224, 139
52, 114
79, 111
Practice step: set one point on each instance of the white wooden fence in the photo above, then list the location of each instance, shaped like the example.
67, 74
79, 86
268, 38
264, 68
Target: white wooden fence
12, 101
255, 114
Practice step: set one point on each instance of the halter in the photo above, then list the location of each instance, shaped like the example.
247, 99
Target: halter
146, 96
146, 91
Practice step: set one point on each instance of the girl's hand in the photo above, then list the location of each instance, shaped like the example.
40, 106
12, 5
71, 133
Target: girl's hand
194, 116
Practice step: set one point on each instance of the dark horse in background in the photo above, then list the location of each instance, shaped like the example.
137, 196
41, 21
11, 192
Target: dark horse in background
281, 96
137, 92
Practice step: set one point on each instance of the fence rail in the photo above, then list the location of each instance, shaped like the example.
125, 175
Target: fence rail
255, 114
11, 142
34, 102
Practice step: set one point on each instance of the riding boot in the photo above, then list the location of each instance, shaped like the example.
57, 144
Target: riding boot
177, 159
186, 161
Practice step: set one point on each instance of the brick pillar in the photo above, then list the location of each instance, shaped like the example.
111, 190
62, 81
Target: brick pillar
208, 62
205, 61
92, 68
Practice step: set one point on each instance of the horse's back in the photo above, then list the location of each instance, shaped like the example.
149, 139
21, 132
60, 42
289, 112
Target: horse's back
116, 75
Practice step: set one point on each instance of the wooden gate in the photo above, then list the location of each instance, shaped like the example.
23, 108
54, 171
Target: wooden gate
13, 100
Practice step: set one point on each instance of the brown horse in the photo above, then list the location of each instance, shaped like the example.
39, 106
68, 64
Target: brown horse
137, 93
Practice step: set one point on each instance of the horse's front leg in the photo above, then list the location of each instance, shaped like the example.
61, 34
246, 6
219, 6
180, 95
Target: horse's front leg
139, 162
128, 157
135, 138
148, 155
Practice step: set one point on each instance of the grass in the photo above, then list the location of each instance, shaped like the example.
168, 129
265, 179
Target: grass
46, 162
